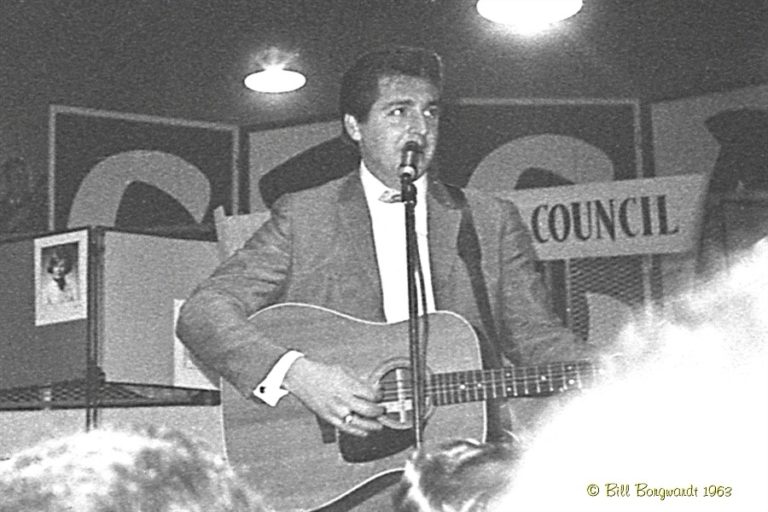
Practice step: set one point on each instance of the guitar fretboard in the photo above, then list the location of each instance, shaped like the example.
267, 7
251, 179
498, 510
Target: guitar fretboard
511, 382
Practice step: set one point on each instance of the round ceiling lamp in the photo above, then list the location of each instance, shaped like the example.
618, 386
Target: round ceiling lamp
275, 80
528, 16
273, 77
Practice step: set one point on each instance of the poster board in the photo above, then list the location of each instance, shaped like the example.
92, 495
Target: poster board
128, 170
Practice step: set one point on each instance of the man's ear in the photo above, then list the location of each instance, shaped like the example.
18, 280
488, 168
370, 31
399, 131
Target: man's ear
352, 127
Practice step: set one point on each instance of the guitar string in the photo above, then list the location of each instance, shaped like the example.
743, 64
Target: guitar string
518, 375
524, 374
390, 390
538, 386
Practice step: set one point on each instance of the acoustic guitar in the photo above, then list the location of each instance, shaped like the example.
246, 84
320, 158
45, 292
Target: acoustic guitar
298, 462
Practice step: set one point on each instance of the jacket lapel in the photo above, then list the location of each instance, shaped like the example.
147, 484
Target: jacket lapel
443, 219
355, 222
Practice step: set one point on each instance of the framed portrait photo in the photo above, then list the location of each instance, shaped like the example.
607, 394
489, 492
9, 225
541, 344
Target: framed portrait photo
61, 277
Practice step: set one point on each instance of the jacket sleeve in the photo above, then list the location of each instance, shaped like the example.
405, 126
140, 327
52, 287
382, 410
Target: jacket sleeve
531, 331
213, 322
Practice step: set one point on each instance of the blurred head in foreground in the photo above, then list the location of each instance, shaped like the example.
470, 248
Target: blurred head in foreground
149, 470
456, 476
690, 409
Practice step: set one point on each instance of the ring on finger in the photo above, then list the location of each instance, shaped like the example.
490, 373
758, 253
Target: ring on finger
348, 418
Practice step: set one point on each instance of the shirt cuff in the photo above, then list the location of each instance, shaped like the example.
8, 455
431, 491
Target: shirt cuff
270, 390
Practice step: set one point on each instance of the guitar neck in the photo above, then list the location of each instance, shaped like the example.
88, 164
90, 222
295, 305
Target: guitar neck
511, 382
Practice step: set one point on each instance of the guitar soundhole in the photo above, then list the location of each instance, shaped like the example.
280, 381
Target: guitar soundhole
394, 381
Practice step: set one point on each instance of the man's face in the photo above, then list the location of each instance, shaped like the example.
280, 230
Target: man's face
406, 110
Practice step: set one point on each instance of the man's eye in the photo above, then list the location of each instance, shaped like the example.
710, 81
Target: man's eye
432, 112
399, 111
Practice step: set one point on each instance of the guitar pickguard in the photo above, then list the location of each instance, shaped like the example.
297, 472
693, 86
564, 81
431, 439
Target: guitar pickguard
375, 446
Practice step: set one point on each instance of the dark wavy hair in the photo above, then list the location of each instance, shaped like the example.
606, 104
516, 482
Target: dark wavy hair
61, 254
360, 83
456, 475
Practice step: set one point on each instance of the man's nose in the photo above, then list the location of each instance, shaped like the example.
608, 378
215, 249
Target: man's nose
418, 124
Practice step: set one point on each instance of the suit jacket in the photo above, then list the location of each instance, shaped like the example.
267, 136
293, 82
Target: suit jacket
318, 248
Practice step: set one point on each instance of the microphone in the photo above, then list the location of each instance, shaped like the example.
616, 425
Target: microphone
410, 159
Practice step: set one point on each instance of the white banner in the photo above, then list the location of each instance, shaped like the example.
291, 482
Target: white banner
616, 218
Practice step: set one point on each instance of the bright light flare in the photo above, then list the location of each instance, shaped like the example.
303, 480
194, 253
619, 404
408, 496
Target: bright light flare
275, 80
528, 16
689, 415
273, 76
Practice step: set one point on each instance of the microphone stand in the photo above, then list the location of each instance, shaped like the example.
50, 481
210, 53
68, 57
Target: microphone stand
413, 262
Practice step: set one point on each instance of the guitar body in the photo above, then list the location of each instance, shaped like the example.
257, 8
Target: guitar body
298, 464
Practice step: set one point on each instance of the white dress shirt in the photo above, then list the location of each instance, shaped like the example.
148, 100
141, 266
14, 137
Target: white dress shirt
388, 224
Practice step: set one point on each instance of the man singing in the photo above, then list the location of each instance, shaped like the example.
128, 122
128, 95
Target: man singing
342, 246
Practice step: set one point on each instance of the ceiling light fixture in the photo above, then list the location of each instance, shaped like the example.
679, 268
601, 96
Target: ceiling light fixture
273, 77
528, 16
275, 80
